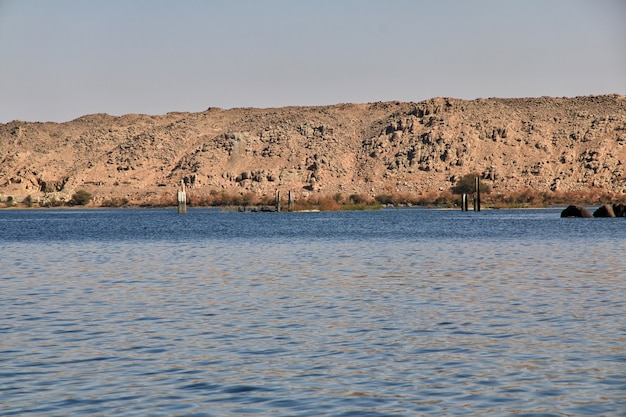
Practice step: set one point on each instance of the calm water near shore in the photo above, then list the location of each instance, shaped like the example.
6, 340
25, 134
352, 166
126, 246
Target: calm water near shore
405, 312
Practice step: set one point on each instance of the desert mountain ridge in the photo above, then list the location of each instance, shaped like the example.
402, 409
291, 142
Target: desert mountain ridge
544, 144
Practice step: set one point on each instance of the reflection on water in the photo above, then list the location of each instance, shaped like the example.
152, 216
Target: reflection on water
303, 322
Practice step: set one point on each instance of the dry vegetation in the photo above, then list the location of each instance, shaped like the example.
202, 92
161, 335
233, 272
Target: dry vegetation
525, 198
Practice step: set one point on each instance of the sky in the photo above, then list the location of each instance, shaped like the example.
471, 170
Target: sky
62, 59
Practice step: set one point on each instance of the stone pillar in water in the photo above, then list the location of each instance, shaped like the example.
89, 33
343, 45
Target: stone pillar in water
182, 198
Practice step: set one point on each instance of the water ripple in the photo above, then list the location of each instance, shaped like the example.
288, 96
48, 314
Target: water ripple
333, 327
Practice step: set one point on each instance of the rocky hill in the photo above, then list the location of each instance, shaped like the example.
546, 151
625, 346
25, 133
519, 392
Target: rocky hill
563, 144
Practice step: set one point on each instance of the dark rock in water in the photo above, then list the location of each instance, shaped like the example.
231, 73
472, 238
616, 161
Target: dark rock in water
619, 210
604, 211
576, 211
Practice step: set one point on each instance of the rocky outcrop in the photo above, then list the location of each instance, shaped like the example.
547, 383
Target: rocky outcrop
576, 211
610, 210
545, 144
606, 210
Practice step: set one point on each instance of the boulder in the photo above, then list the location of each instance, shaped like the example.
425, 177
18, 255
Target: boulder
576, 211
604, 211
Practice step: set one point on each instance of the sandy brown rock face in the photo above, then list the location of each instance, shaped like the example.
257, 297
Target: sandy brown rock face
563, 144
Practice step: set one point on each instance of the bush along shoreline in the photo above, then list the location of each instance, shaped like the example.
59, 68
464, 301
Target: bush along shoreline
609, 204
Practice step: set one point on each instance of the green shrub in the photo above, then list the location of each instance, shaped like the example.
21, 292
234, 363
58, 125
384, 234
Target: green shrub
384, 198
80, 198
467, 185
359, 198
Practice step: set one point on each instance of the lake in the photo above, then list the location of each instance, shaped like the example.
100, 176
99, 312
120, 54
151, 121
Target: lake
397, 312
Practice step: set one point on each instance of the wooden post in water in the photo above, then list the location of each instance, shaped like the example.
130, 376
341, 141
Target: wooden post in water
277, 200
464, 202
291, 200
182, 198
477, 199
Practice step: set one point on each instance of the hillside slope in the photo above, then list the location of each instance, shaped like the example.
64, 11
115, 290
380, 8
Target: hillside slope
545, 143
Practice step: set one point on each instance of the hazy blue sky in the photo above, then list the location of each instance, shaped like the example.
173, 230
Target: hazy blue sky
62, 59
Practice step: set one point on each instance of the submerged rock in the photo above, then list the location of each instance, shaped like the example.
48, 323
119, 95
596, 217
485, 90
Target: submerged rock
604, 211
576, 211
619, 210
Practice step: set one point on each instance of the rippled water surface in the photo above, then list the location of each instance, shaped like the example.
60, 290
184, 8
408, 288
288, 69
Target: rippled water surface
393, 312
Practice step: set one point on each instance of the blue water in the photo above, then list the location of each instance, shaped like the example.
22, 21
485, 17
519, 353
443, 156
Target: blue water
394, 312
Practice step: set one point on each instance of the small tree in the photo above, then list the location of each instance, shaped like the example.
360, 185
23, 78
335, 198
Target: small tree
384, 198
80, 198
467, 185
358, 198
28, 201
